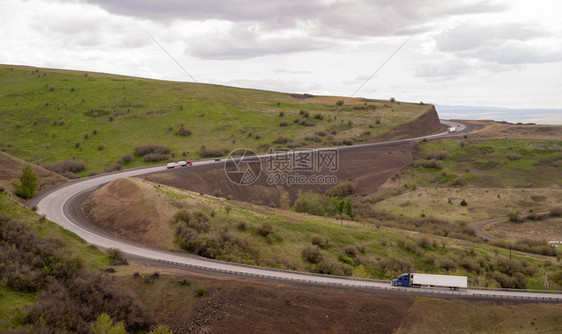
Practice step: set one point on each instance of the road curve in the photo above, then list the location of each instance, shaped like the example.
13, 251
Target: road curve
55, 206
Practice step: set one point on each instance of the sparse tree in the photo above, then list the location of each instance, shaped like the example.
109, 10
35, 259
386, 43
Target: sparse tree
104, 325
28, 183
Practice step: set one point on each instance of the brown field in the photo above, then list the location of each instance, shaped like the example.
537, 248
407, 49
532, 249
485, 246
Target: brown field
549, 229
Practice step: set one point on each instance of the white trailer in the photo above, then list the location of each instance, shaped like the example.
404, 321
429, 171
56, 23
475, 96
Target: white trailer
452, 129
417, 280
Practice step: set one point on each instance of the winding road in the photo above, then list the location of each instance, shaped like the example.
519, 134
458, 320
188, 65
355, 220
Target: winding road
57, 205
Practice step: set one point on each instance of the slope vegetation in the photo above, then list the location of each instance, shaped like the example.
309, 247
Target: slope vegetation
99, 119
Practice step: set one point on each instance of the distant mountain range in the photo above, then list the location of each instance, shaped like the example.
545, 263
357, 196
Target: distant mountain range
513, 115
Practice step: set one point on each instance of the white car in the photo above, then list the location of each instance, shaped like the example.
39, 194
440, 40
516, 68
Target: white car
171, 165
184, 163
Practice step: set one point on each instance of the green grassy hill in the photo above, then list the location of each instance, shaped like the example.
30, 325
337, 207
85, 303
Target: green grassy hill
51, 115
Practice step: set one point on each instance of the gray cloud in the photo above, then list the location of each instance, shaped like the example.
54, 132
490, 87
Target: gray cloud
359, 17
447, 68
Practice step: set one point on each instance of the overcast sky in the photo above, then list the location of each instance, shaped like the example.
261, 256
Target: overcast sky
504, 53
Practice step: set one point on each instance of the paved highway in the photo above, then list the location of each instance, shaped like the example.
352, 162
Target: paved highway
57, 206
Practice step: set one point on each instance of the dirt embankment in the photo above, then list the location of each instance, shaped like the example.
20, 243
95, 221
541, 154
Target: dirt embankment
11, 169
426, 124
368, 167
130, 209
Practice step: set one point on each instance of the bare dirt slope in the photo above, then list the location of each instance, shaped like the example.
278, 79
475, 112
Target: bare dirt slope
368, 167
191, 302
129, 208
11, 169
428, 123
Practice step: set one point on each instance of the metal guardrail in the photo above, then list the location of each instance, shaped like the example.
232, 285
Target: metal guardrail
556, 299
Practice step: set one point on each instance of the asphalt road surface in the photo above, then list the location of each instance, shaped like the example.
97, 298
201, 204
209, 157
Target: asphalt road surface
61, 205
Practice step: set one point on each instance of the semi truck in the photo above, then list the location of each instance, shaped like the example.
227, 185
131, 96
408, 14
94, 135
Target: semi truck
416, 280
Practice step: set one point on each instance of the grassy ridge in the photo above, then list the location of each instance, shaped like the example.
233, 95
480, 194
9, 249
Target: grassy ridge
50, 115
245, 233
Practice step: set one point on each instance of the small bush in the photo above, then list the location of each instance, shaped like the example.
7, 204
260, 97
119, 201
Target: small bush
201, 292
556, 212
320, 241
183, 131
463, 202
318, 116
283, 123
204, 152
440, 155
265, 229
459, 181
513, 217
116, 254
350, 251
66, 167
281, 140
127, 158
154, 157
341, 190
145, 149
340, 103
312, 254
242, 225
513, 156
433, 163
281, 113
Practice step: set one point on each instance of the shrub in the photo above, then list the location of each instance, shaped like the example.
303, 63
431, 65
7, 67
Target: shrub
459, 181
392, 100
433, 163
66, 167
281, 113
145, 149
340, 103
265, 229
117, 255
183, 131
201, 292
242, 225
127, 158
463, 202
194, 219
312, 254
350, 251
154, 157
448, 264
513, 217
320, 241
424, 243
318, 116
513, 156
281, 140
556, 212
440, 155
341, 190
204, 152
283, 123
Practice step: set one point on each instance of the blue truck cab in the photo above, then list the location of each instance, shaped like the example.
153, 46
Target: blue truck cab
402, 280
